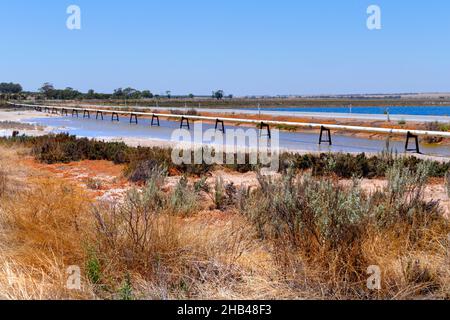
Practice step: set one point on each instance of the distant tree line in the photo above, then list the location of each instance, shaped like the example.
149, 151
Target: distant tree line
10, 88
120, 93
130, 93
48, 91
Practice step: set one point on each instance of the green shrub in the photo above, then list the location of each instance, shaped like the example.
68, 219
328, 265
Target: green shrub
433, 126
126, 290
93, 268
201, 185
323, 224
63, 148
94, 184
306, 207
219, 194
184, 199
402, 200
333, 214
142, 171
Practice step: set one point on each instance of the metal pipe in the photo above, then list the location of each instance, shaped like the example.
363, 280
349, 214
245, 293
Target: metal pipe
269, 122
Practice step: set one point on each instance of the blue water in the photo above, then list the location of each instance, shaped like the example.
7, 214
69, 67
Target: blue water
419, 110
295, 141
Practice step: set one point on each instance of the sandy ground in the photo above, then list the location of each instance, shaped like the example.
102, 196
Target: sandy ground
105, 181
19, 116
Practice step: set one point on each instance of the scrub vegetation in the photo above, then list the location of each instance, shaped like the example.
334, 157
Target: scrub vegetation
304, 233
64, 148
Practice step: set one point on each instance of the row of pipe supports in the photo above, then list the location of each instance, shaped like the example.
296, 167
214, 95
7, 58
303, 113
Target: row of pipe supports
220, 122
133, 116
187, 125
409, 136
220, 126
263, 126
154, 117
417, 145
328, 132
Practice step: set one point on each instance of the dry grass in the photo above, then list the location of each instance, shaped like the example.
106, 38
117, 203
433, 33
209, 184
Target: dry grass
157, 244
3, 181
43, 230
40, 223
149, 236
138, 248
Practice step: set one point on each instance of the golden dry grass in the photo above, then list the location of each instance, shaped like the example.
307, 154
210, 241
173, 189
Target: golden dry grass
48, 224
42, 234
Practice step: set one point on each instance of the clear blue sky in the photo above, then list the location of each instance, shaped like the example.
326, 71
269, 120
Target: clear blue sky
241, 46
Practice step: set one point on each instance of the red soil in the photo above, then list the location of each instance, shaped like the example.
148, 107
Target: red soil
108, 175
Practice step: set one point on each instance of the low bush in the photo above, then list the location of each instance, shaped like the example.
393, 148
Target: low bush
360, 166
139, 161
189, 112
142, 171
435, 126
65, 148
320, 224
143, 237
184, 199
219, 193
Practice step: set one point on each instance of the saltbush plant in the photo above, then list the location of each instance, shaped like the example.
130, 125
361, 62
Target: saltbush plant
64, 148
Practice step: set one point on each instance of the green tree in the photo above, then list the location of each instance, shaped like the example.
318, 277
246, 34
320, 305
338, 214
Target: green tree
48, 90
10, 88
118, 93
219, 94
68, 94
131, 93
146, 94
90, 94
